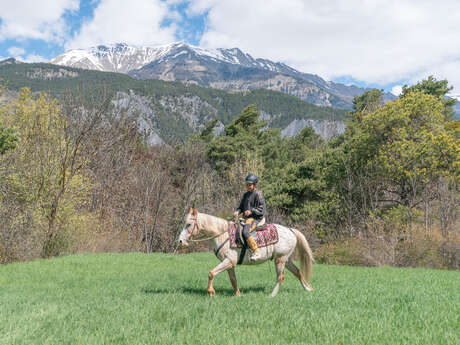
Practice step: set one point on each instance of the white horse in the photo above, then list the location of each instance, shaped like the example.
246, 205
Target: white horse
206, 227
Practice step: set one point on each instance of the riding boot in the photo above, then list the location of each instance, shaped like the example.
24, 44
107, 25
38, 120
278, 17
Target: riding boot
255, 255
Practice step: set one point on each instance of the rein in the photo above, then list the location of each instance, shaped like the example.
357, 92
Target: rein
209, 238
195, 226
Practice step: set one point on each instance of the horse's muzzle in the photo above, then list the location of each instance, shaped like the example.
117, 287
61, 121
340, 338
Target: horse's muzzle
183, 243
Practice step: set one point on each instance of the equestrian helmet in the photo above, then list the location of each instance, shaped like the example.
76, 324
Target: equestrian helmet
251, 178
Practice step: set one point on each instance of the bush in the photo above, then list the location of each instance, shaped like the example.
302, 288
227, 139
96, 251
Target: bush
429, 249
417, 248
344, 252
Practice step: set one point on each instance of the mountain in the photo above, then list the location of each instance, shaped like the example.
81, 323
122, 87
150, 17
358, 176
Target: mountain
114, 58
226, 69
10, 61
123, 58
171, 111
456, 108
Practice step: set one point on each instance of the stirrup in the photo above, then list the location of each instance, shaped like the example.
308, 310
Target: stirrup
255, 256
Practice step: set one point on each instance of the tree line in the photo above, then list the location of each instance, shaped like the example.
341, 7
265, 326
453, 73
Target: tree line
77, 176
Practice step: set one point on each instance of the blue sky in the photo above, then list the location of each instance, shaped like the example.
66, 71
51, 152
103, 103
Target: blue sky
374, 43
39, 49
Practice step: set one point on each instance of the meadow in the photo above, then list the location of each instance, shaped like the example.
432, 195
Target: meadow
161, 299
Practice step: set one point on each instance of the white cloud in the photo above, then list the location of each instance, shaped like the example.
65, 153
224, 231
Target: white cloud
136, 22
20, 54
396, 90
378, 41
34, 58
16, 51
23, 19
374, 41
198, 7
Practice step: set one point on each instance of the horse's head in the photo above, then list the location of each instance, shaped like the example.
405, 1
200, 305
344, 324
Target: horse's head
191, 227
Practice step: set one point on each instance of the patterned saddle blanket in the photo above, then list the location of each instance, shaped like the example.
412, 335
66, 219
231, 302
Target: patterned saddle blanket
265, 235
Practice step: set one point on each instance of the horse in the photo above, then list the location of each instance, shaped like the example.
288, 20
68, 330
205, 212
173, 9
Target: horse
204, 227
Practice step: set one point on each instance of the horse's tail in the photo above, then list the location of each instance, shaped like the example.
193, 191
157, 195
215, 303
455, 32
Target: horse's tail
305, 255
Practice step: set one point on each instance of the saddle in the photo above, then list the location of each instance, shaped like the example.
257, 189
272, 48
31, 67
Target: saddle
265, 235
254, 226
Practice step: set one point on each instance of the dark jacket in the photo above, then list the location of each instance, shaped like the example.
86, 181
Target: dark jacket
253, 201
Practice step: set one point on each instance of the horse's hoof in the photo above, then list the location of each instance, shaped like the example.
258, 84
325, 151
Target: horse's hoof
211, 293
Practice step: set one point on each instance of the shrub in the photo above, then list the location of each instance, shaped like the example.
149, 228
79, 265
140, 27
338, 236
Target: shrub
343, 252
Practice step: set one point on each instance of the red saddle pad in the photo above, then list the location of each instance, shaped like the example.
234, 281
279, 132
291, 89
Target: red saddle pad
265, 237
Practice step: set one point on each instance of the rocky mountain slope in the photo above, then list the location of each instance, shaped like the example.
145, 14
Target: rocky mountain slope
171, 111
227, 69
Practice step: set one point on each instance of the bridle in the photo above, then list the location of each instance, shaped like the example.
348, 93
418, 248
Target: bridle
195, 226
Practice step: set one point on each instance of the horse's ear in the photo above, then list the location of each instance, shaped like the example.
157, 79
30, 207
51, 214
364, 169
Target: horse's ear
195, 212
191, 210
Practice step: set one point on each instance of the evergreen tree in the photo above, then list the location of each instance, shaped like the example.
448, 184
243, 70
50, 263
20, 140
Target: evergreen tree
242, 136
368, 102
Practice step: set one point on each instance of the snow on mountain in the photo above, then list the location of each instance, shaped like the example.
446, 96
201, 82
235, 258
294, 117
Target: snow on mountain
123, 58
228, 69
111, 58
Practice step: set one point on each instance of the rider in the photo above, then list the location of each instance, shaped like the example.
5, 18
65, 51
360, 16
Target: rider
252, 205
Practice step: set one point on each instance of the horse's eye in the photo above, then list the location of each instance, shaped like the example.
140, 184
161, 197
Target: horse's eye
187, 225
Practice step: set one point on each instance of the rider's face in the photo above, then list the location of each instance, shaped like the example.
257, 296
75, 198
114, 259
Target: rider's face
250, 187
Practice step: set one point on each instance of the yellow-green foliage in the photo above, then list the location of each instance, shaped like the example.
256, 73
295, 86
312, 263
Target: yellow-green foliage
408, 144
414, 143
40, 174
8, 137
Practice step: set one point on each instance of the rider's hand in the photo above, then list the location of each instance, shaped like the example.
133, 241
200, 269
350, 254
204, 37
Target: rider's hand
235, 214
247, 213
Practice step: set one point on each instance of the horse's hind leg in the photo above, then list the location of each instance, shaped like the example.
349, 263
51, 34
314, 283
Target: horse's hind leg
293, 268
224, 265
279, 265
232, 276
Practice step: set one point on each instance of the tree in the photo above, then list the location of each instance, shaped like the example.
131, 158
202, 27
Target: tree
53, 150
410, 142
396, 155
207, 134
8, 139
293, 182
437, 88
242, 136
368, 102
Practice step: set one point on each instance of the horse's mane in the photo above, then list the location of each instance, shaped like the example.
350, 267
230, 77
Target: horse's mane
214, 218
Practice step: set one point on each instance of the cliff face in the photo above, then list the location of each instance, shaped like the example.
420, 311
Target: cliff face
193, 113
326, 129
287, 84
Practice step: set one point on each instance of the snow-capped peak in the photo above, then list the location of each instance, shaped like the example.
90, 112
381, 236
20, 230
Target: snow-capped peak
120, 57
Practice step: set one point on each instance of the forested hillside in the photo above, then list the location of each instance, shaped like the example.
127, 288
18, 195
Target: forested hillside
168, 110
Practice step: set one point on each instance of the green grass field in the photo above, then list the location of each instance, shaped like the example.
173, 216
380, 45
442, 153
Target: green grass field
161, 299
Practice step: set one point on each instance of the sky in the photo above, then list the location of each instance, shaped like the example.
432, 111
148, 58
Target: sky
369, 43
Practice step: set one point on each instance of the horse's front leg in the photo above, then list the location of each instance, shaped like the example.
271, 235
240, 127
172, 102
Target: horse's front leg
232, 276
224, 265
